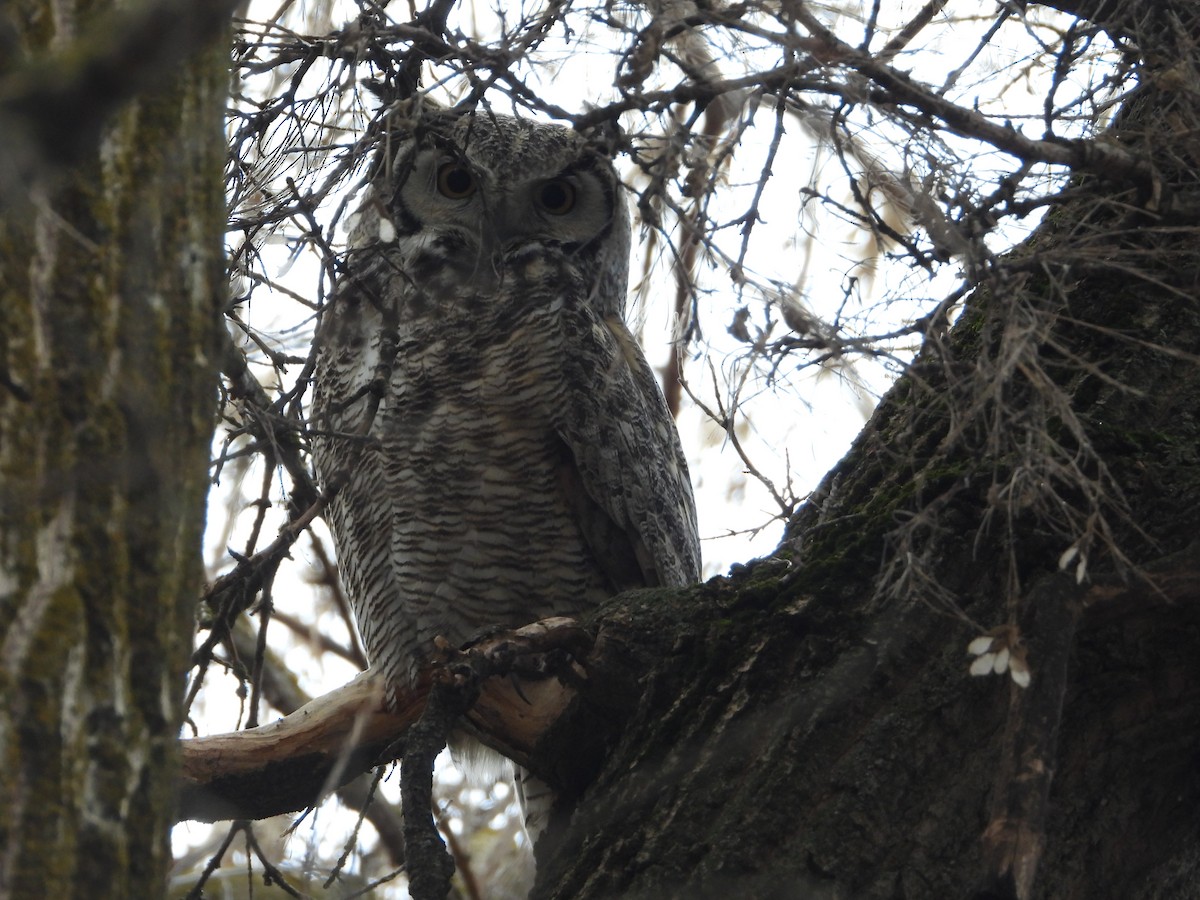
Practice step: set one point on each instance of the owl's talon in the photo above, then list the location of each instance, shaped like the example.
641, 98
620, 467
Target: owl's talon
515, 682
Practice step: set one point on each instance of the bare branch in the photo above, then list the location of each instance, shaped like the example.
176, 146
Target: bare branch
1081, 155
292, 763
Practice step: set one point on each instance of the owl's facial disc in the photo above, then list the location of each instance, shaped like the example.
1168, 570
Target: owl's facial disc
503, 219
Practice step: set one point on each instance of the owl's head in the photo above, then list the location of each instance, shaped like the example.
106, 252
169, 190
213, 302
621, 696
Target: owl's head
474, 201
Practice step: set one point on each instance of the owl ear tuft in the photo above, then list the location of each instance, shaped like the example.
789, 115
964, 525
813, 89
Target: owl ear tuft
380, 90
607, 137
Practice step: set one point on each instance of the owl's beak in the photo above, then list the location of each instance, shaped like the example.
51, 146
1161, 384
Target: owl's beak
498, 258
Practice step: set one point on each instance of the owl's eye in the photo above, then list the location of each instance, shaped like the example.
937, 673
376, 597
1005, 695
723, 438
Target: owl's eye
455, 181
556, 196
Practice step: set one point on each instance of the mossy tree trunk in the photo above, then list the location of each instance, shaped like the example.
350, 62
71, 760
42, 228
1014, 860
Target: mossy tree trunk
809, 728
111, 279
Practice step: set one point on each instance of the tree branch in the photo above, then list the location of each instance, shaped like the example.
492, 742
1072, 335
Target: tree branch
291, 764
294, 762
1081, 155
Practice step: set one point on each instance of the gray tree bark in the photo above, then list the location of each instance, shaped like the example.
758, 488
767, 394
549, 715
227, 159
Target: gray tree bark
111, 285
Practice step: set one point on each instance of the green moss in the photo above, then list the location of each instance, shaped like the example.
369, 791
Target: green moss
44, 765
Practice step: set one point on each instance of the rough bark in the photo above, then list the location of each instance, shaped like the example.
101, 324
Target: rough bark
111, 281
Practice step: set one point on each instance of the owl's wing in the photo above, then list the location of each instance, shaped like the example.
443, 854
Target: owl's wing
625, 474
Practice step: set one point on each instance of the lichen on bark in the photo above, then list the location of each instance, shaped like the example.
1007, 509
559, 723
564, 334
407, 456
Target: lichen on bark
111, 284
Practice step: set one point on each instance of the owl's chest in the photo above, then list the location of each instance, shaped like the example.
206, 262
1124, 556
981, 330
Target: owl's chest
478, 476
500, 370
473, 411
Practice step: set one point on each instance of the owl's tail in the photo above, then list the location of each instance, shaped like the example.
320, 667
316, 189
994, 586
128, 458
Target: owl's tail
535, 799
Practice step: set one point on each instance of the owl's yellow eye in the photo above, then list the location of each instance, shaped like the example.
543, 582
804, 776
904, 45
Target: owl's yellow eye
556, 196
456, 181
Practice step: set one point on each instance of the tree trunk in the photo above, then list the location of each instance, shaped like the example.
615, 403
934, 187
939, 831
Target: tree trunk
111, 282
808, 727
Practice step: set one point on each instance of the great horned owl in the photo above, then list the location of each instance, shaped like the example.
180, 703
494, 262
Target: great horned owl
502, 450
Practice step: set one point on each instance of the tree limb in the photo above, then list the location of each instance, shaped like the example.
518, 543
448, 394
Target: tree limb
292, 763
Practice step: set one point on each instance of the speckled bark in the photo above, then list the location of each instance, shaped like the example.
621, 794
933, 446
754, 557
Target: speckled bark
802, 736
110, 284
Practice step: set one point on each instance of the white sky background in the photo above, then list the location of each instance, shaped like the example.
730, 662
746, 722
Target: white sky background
794, 426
